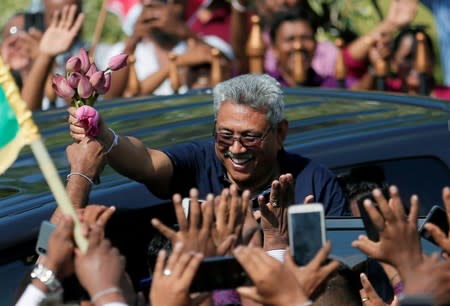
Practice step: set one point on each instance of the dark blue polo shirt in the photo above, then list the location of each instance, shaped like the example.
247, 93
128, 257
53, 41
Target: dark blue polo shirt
196, 165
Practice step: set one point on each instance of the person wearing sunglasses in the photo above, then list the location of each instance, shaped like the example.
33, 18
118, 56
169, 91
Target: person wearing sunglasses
246, 149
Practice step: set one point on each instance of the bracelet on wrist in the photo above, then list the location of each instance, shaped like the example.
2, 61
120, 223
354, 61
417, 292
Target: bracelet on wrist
46, 277
87, 178
115, 141
105, 292
238, 6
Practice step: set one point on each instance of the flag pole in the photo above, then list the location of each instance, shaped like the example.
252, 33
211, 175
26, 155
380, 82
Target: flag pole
57, 188
29, 134
98, 28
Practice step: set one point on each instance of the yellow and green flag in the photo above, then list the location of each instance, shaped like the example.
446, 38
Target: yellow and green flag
16, 125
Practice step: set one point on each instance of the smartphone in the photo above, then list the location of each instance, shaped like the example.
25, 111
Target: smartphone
306, 228
371, 230
379, 280
220, 272
437, 216
45, 231
34, 20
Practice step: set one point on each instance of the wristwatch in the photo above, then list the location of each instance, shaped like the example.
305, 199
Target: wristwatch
47, 277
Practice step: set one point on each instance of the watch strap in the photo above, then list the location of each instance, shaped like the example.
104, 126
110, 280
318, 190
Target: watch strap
46, 276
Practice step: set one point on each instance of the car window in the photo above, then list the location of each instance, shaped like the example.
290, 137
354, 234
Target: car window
424, 176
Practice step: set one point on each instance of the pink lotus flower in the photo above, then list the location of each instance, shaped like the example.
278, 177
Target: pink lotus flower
103, 89
89, 119
85, 64
84, 88
74, 79
118, 61
62, 87
73, 64
84, 82
97, 80
92, 69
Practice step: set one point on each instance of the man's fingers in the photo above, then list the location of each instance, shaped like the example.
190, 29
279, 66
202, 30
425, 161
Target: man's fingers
226, 245
413, 209
163, 229
309, 199
179, 212
106, 215
367, 286
250, 293
374, 214
95, 237
366, 246
321, 255
160, 262
383, 205
438, 235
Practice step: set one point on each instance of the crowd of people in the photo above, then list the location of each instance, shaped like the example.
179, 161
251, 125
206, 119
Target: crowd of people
186, 35
223, 178
240, 182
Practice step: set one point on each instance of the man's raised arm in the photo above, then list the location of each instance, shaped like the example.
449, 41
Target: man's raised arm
129, 156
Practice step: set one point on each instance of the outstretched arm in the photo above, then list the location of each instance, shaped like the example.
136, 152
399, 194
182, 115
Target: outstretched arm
57, 39
400, 14
130, 157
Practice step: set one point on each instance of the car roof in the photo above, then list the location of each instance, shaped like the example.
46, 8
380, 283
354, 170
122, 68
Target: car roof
335, 127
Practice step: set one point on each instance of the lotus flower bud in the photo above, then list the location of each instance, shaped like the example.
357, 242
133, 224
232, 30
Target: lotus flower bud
85, 64
84, 88
103, 89
92, 69
97, 79
74, 79
62, 87
118, 61
73, 64
89, 119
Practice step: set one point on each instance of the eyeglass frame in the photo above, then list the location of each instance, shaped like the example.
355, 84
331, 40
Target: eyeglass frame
258, 139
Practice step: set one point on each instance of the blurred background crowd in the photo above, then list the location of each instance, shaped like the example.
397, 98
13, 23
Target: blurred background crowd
178, 45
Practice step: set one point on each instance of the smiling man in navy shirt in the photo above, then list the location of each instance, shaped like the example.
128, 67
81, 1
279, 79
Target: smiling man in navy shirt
247, 149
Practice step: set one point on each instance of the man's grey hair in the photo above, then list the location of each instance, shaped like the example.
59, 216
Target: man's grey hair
258, 91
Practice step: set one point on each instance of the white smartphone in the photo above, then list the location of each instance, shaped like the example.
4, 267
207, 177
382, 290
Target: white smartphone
306, 226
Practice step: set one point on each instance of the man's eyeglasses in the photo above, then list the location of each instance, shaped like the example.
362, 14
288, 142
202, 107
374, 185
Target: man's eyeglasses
227, 139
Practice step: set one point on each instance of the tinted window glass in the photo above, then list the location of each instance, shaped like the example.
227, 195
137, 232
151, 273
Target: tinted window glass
424, 176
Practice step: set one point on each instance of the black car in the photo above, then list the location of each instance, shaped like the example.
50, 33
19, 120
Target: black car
406, 137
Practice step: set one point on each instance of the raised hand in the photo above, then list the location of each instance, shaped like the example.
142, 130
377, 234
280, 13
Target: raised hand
274, 213
78, 132
441, 238
101, 268
63, 29
231, 211
274, 283
369, 296
311, 276
61, 249
399, 243
87, 157
171, 281
401, 12
431, 277
95, 214
14, 52
195, 231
